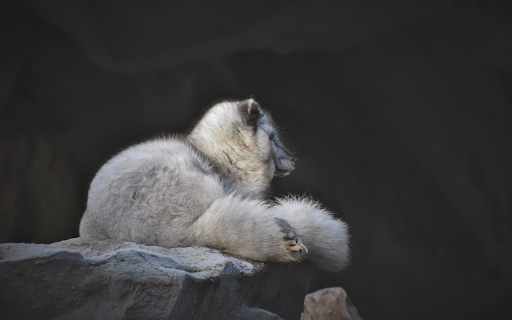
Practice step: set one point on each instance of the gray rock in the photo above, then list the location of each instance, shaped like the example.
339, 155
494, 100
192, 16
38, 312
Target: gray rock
74, 279
330, 303
243, 313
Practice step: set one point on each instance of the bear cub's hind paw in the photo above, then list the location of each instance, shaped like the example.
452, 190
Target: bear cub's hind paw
292, 242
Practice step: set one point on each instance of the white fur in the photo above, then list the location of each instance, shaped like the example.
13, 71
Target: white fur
325, 237
208, 189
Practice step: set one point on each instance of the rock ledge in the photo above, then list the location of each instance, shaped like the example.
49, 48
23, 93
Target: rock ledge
75, 279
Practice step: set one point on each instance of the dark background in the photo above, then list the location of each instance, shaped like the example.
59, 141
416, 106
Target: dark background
399, 111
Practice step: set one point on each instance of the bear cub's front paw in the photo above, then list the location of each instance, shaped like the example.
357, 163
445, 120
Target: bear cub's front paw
292, 243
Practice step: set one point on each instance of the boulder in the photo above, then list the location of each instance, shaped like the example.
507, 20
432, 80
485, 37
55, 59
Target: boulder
76, 279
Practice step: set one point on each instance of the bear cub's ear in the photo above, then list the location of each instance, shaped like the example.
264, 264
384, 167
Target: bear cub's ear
254, 111
251, 111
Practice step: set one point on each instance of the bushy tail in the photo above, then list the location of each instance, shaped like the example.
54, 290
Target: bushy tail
326, 238
249, 228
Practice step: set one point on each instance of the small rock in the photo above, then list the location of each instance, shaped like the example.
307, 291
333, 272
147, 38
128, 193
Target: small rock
327, 304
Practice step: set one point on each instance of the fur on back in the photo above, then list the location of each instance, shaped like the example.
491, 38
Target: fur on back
208, 189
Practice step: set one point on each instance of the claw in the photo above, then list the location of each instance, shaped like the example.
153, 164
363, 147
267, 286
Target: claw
295, 246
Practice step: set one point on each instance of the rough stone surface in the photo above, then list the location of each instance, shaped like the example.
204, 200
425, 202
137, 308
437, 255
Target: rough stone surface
74, 279
329, 304
243, 313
